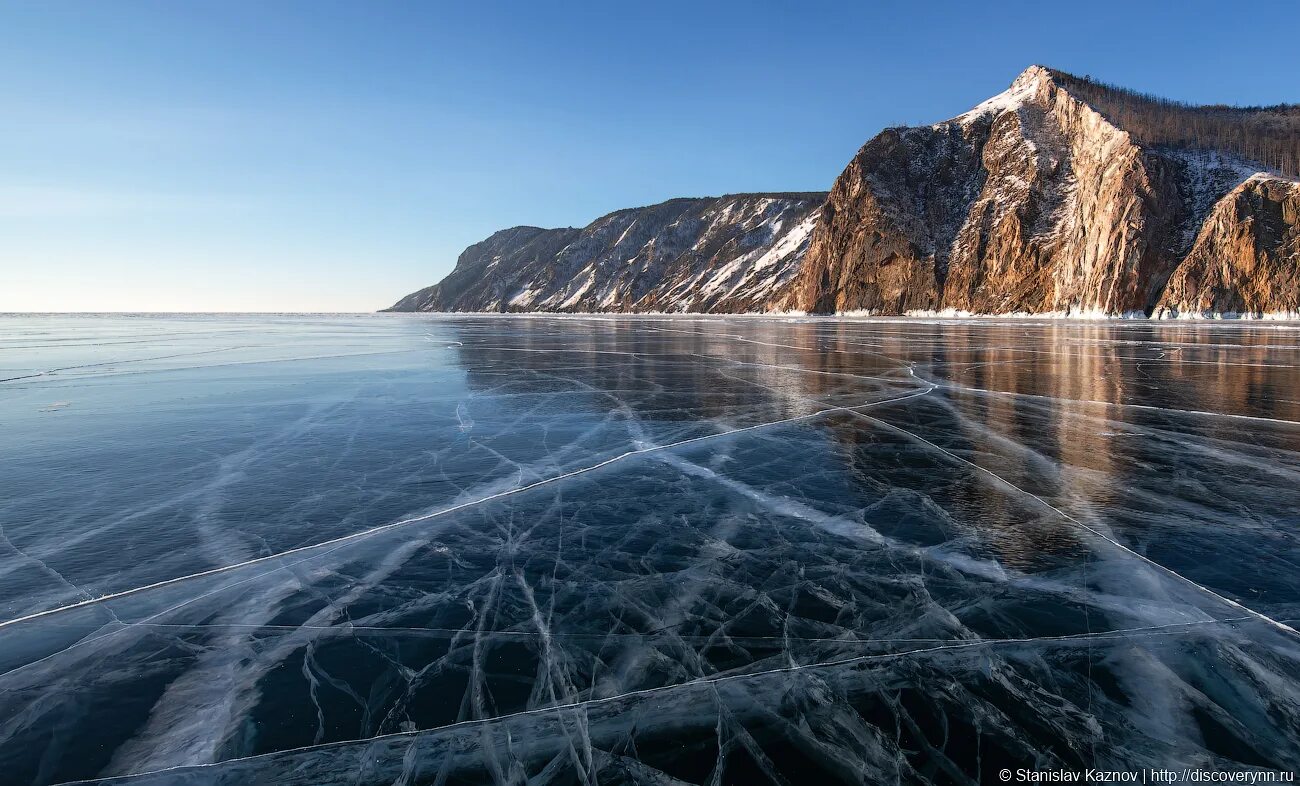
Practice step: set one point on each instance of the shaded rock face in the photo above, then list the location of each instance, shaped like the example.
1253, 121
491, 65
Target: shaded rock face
1246, 260
727, 254
483, 271
883, 239
1032, 202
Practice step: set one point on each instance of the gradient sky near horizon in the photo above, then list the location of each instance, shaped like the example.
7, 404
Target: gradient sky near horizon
308, 155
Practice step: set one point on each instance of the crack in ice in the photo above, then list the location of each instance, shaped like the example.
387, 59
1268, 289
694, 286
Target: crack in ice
343, 539
1119, 634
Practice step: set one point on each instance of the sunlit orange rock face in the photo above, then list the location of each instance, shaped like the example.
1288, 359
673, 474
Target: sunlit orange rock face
1034, 202
1247, 257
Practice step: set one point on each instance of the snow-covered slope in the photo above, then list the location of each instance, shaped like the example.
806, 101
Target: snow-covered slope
714, 254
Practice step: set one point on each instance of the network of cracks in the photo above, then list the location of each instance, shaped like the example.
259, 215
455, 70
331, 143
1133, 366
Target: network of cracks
434, 550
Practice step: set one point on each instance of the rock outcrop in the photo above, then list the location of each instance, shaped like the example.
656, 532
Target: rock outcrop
726, 254
1036, 201
1246, 260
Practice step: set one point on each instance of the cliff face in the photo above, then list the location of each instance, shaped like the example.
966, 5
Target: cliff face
1246, 259
883, 240
725, 254
1032, 202
1059, 196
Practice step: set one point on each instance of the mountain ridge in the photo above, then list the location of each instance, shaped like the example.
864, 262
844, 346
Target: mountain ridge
1033, 202
716, 254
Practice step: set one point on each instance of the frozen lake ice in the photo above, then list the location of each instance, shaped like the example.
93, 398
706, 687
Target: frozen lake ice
425, 549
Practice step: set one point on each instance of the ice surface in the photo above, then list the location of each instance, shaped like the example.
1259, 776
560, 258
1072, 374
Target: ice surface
424, 549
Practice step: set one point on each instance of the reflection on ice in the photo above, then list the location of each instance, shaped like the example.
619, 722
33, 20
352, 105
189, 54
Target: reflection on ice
658, 550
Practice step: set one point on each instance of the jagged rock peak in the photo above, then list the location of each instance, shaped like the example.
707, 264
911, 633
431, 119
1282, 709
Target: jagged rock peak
1034, 82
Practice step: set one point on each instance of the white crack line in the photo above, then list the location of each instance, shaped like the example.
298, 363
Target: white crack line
1113, 634
464, 505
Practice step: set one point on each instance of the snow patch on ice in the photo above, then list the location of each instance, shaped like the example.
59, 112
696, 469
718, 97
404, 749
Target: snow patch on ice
1070, 313
1166, 312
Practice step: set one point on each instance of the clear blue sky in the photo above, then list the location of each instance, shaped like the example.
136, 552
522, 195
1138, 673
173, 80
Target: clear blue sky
241, 155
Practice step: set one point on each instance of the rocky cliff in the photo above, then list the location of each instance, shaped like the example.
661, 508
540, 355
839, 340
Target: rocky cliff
726, 254
1246, 260
1058, 196
1035, 202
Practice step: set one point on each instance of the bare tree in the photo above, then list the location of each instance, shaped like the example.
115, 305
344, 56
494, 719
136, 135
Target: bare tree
1266, 135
